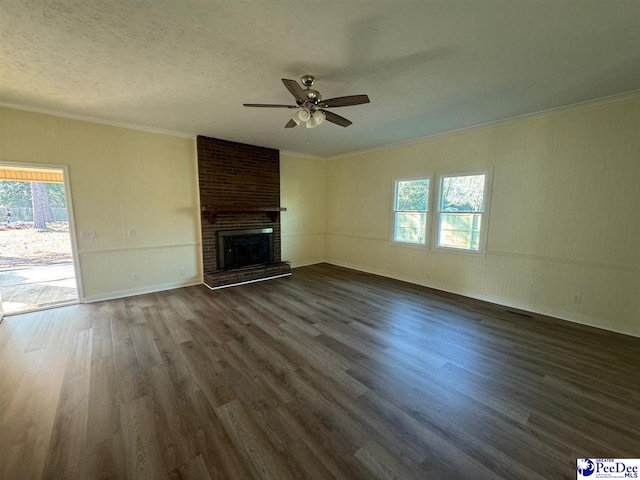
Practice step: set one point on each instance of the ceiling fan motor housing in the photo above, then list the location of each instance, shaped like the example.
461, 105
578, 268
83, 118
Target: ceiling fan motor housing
313, 96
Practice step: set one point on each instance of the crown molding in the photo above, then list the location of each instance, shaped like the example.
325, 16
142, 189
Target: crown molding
303, 155
100, 121
618, 97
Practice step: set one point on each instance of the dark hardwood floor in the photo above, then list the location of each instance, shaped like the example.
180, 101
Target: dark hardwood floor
328, 374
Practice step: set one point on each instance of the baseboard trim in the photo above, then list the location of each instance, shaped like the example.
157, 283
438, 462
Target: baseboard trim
306, 263
548, 312
139, 291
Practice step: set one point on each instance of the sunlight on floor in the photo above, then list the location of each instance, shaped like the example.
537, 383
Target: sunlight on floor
33, 287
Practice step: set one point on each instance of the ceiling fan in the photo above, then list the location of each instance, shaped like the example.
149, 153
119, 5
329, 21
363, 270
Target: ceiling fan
311, 107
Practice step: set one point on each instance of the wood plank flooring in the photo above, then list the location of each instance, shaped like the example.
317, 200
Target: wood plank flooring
327, 374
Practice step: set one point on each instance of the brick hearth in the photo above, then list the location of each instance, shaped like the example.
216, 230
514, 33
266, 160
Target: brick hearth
247, 274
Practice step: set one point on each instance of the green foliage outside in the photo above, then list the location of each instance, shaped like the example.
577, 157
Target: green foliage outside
57, 195
15, 194
413, 195
463, 194
18, 194
459, 194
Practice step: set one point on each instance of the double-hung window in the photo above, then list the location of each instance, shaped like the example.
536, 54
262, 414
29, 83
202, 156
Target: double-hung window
461, 206
410, 207
462, 211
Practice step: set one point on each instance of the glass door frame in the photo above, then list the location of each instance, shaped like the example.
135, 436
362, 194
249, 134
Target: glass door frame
72, 231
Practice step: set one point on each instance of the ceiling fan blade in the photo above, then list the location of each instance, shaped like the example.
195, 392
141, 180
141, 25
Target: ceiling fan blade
268, 105
337, 119
295, 89
291, 124
345, 101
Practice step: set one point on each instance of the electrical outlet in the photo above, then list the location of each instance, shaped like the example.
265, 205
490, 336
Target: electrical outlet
577, 298
89, 234
132, 233
181, 272
135, 276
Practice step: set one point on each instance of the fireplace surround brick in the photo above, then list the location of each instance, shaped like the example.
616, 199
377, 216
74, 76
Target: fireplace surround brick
236, 174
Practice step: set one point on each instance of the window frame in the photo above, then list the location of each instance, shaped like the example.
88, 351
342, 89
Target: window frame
394, 199
484, 222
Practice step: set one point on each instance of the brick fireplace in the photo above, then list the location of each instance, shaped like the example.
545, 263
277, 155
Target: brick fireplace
239, 190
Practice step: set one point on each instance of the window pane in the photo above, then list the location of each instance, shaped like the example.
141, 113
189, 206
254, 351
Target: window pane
462, 194
459, 230
412, 195
409, 227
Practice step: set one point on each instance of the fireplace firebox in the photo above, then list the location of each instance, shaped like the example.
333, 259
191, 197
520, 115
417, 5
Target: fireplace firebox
242, 248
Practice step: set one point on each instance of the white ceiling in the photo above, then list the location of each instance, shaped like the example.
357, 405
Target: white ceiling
427, 66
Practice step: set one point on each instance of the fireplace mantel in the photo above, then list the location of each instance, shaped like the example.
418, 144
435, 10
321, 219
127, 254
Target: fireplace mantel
214, 210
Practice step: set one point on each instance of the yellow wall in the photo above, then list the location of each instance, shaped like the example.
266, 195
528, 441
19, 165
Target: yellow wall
564, 216
302, 192
563, 219
121, 180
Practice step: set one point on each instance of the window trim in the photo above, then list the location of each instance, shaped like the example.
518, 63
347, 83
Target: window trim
427, 231
484, 229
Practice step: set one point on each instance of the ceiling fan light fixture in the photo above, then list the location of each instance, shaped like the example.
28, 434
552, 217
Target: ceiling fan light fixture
319, 116
303, 115
312, 122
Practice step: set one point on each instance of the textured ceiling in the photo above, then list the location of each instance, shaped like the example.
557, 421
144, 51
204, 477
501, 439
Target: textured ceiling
428, 67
